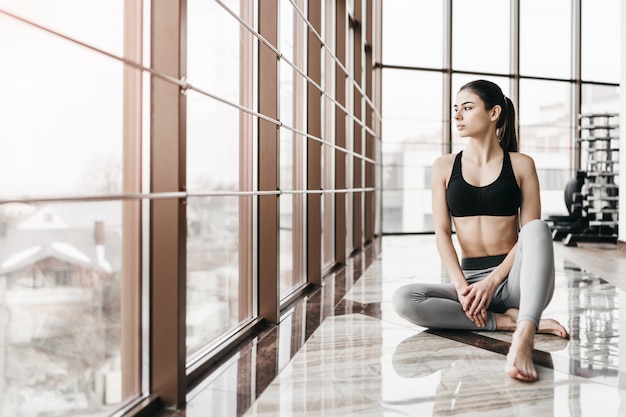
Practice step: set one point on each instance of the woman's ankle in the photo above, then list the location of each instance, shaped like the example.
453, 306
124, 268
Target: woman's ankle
526, 328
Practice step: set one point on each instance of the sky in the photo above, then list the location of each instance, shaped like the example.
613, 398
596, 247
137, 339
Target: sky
52, 129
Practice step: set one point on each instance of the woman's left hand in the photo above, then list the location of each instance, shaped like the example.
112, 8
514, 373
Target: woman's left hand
476, 299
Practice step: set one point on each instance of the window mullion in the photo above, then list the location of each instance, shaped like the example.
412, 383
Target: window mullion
168, 223
268, 146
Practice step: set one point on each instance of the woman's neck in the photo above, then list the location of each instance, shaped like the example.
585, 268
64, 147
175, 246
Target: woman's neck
483, 151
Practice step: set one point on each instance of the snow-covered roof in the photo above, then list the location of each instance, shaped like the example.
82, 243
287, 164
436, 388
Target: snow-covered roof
56, 250
64, 232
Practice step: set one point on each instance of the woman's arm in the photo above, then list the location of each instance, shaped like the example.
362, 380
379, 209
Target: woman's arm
442, 167
526, 173
443, 237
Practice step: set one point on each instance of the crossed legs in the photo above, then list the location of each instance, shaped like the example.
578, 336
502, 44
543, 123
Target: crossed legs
523, 296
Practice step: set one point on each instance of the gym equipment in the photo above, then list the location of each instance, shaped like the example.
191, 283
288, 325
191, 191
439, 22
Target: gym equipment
599, 145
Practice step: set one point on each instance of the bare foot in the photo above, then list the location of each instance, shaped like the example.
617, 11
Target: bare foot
519, 360
546, 326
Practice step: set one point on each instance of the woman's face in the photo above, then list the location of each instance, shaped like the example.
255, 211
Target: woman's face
471, 117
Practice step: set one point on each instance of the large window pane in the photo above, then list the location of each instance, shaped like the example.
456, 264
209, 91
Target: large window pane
545, 38
61, 129
546, 134
213, 36
407, 203
293, 87
601, 40
213, 283
211, 125
600, 99
328, 152
412, 138
378, 227
413, 33
481, 36
292, 212
411, 97
60, 309
69, 273
97, 23
219, 150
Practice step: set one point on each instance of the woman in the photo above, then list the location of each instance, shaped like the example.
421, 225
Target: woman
488, 191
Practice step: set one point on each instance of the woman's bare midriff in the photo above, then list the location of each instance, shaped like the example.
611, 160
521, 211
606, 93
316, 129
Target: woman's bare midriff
481, 236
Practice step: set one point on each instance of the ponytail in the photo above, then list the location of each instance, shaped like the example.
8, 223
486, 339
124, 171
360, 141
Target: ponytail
506, 129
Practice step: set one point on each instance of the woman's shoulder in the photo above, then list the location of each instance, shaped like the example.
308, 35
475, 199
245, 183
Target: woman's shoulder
442, 168
444, 161
522, 163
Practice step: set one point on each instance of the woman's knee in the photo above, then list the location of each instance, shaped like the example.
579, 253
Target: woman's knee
401, 298
537, 227
538, 232
406, 300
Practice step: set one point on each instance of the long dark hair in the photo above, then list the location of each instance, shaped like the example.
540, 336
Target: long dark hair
492, 95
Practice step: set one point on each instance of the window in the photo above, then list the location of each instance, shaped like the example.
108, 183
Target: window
67, 263
546, 38
600, 39
155, 188
481, 36
328, 128
293, 87
546, 132
424, 19
219, 142
412, 106
538, 76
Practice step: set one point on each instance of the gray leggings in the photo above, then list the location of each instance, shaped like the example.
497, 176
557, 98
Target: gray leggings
529, 287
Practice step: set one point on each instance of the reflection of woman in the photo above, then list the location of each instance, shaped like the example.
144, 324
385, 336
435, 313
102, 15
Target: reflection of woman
506, 276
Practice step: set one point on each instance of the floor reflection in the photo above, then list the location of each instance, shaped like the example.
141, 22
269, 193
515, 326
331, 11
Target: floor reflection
594, 322
471, 380
344, 352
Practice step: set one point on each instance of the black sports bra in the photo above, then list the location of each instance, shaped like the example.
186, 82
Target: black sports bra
502, 197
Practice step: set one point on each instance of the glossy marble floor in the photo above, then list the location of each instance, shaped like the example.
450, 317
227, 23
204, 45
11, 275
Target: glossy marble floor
344, 352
